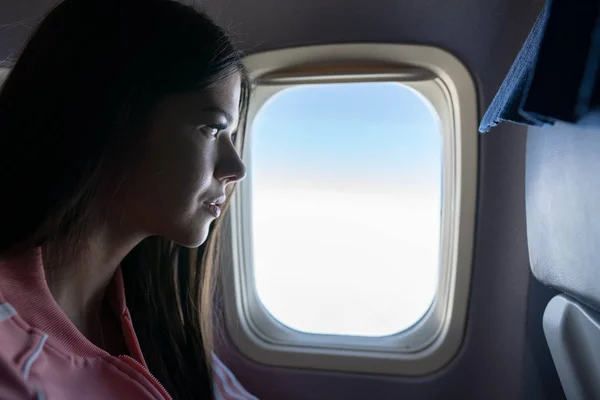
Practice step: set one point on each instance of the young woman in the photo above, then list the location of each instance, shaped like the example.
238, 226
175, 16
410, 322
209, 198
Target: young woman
117, 152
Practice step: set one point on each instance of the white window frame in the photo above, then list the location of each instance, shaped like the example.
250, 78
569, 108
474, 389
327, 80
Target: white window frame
432, 342
3, 74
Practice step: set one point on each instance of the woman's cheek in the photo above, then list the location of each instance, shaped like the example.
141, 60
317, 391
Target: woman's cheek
194, 164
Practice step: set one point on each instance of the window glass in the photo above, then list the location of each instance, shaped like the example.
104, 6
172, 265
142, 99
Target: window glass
346, 199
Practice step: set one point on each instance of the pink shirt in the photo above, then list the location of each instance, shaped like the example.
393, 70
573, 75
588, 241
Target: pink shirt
44, 356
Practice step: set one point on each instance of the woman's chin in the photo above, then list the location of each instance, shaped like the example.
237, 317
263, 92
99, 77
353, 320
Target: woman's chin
193, 238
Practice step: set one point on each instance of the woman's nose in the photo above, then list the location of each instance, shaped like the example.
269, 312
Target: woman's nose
230, 167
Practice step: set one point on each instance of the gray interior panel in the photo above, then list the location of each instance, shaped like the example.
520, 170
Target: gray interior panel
573, 334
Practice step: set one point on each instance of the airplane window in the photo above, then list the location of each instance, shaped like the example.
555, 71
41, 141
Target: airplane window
346, 207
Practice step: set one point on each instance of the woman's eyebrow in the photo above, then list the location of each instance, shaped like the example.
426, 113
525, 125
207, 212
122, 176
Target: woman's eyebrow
228, 116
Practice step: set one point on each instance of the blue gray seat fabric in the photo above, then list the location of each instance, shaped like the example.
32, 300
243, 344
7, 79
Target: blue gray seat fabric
563, 230
555, 75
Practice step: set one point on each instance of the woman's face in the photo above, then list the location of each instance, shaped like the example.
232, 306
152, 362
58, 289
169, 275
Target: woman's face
178, 177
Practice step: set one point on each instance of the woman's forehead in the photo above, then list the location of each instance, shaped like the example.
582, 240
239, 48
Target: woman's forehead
223, 96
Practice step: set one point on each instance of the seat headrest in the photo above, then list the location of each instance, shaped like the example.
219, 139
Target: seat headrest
563, 209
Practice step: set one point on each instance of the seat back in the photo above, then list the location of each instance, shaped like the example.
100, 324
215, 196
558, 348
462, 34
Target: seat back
563, 230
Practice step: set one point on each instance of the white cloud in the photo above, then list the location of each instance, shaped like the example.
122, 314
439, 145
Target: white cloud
330, 262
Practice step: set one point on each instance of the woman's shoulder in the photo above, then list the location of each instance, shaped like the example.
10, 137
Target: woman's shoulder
227, 387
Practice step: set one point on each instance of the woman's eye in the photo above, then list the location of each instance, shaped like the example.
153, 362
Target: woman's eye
211, 130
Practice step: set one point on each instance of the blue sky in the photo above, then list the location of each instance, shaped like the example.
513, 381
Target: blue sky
371, 131
346, 204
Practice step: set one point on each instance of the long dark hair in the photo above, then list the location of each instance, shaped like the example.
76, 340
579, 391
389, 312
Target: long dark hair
71, 111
